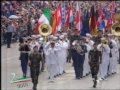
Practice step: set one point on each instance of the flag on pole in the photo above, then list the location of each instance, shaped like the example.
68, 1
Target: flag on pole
85, 23
102, 26
57, 20
71, 14
93, 26
64, 13
54, 22
78, 17
69, 17
44, 19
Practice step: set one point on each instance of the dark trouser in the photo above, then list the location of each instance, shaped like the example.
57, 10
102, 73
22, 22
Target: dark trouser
69, 56
94, 71
8, 38
34, 74
43, 65
24, 62
119, 56
78, 62
24, 66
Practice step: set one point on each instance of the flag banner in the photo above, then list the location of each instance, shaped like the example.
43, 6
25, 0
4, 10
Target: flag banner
64, 14
57, 20
85, 23
93, 23
78, 18
45, 18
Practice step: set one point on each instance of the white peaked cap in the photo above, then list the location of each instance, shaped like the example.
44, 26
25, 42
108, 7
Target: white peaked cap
41, 39
64, 33
88, 35
62, 36
33, 36
103, 38
55, 38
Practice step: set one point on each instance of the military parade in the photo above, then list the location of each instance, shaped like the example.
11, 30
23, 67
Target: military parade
49, 48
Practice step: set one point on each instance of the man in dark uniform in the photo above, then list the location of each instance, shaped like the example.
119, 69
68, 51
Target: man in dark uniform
95, 58
78, 56
72, 36
34, 63
24, 52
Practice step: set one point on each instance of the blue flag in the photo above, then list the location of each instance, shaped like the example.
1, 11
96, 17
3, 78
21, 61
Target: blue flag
85, 23
102, 25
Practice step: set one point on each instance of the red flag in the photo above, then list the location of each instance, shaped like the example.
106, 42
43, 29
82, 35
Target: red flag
57, 20
78, 18
93, 21
67, 18
54, 22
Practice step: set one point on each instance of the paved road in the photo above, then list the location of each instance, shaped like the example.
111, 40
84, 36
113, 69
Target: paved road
11, 64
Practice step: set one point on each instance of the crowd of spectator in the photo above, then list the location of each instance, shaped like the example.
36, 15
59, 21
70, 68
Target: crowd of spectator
30, 11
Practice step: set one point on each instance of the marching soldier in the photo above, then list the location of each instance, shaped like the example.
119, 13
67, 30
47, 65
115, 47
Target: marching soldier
64, 48
78, 56
95, 58
51, 60
113, 58
34, 63
104, 48
24, 52
86, 66
119, 48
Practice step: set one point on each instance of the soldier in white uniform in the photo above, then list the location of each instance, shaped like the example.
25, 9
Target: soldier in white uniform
104, 47
114, 56
62, 54
65, 45
51, 60
57, 61
86, 67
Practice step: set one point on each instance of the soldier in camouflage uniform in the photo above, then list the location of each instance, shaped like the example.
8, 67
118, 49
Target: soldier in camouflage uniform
95, 58
34, 63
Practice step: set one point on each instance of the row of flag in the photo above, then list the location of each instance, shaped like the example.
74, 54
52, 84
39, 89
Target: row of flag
84, 20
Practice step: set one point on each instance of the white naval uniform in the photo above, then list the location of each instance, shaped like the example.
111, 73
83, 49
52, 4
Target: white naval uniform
86, 67
113, 59
58, 65
65, 53
105, 60
118, 46
51, 61
62, 55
